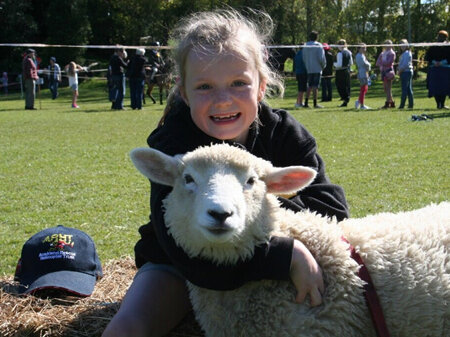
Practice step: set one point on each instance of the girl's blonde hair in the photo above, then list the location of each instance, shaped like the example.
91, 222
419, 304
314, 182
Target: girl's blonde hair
71, 70
220, 32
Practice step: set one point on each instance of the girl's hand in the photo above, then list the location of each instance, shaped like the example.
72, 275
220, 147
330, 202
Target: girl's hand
306, 275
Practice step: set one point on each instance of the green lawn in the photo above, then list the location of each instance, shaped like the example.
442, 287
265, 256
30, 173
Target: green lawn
70, 166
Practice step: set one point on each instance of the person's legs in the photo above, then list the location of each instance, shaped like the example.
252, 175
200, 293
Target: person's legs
324, 90
362, 94
155, 303
55, 89
308, 93
347, 86
139, 92
389, 91
329, 89
133, 89
74, 98
410, 91
30, 93
404, 85
340, 85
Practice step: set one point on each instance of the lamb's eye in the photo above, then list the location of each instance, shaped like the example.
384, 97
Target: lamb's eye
251, 181
188, 179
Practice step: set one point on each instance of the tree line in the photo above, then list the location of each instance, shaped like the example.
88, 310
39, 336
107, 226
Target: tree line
110, 22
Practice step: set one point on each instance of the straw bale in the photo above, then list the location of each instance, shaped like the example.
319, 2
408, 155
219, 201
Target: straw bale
32, 316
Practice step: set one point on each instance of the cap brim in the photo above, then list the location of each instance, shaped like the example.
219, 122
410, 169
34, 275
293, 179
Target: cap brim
77, 283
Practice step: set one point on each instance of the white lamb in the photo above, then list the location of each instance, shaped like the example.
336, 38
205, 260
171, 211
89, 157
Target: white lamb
406, 253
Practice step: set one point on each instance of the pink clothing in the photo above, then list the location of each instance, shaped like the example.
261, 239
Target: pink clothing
29, 69
362, 93
386, 60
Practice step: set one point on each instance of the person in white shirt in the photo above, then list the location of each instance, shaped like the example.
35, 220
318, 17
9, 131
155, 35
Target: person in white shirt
343, 64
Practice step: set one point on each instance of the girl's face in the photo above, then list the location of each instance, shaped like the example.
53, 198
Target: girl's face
223, 93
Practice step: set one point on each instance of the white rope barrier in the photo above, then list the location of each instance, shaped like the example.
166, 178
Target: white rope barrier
295, 46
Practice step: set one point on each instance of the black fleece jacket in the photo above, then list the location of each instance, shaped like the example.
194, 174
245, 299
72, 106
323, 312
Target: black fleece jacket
279, 138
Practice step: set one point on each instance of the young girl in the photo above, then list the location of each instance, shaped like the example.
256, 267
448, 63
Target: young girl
405, 70
223, 77
386, 63
363, 76
72, 73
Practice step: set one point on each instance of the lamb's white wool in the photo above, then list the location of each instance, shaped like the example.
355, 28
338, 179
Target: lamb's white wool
222, 206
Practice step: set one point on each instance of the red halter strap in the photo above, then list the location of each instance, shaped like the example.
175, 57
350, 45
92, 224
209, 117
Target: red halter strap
370, 293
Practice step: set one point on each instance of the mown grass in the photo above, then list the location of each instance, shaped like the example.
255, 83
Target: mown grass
70, 166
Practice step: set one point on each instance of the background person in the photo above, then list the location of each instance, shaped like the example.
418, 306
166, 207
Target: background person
344, 61
72, 70
54, 77
30, 76
327, 74
117, 66
385, 62
438, 77
363, 76
301, 76
405, 70
136, 75
222, 68
315, 62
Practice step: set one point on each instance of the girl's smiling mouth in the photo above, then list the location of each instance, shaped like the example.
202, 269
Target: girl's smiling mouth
225, 118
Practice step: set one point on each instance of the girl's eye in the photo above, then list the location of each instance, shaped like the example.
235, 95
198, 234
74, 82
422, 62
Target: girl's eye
188, 179
239, 83
203, 87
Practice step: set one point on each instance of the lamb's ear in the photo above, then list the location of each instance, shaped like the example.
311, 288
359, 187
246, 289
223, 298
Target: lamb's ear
155, 165
283, 180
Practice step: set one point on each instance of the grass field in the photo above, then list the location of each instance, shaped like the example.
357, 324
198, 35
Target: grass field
70, 166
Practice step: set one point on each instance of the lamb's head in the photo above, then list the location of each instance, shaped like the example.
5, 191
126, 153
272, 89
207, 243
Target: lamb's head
219, 207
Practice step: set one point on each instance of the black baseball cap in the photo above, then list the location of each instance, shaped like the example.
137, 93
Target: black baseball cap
59, 258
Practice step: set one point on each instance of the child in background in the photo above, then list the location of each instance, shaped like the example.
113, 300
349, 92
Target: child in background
219, 97
72, 73
363, 76
405, 70
385, 62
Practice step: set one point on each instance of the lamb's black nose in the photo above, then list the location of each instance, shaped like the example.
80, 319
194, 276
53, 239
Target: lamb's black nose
220, 216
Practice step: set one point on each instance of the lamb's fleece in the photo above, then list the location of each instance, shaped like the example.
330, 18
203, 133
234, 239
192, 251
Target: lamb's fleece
407, 253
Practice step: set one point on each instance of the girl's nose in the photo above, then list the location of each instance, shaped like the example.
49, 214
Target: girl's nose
223, 97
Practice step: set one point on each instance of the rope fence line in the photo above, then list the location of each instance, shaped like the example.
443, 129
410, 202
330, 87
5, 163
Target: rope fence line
295, 46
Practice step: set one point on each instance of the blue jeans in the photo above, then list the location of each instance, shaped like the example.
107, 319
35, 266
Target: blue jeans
406, 81
53, 86
136, 90
118, 91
